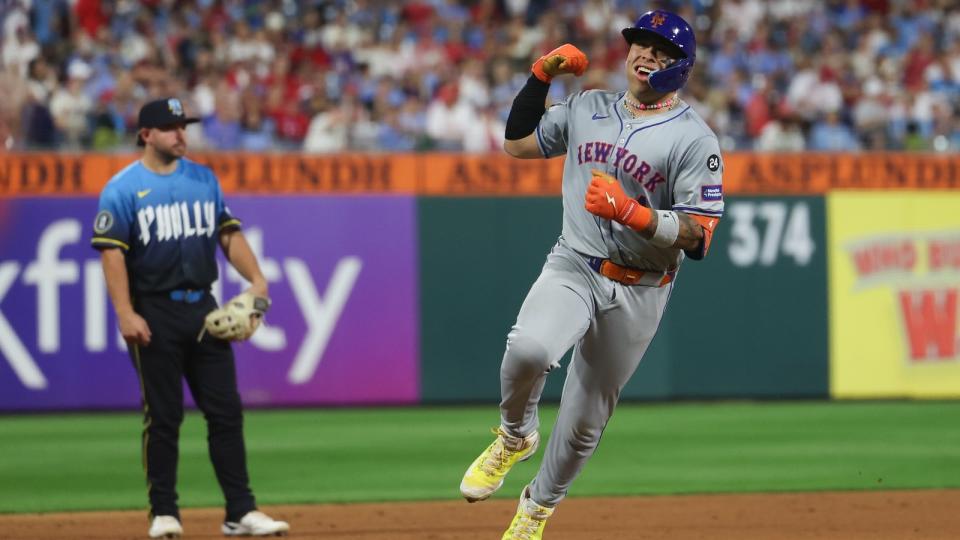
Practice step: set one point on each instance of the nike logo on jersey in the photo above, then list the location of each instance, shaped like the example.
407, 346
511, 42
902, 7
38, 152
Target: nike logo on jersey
142, 194
596, 116
612, 201
177, 220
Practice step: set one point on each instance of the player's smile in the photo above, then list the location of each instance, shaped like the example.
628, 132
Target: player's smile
643, 72
645, 56
642, 60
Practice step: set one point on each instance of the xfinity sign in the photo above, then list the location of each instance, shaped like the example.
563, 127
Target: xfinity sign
57, 325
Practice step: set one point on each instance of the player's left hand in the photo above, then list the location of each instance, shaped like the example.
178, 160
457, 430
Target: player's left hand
238, 319
606, 198
259, 288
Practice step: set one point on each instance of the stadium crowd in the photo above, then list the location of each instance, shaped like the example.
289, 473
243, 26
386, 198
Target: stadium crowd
367, 75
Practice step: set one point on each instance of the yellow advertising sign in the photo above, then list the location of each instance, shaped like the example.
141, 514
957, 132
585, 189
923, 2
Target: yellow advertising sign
894, 267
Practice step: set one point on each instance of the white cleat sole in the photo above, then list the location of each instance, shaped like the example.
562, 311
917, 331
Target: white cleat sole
472, 498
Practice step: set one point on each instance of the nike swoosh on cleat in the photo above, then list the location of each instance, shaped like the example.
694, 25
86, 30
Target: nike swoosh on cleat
596, 116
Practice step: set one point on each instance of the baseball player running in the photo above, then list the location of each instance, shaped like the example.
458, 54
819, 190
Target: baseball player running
641, 191
158, 227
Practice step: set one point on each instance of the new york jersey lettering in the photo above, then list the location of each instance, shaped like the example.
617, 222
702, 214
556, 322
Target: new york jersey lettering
623, 159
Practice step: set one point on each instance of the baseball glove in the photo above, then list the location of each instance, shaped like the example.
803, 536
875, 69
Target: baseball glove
238, 319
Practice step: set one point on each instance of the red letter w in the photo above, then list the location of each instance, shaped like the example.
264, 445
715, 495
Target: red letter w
930, 318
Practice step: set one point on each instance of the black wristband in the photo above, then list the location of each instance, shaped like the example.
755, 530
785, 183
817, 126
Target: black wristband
527, 110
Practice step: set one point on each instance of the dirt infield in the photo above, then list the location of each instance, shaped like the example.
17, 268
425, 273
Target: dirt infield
878, 515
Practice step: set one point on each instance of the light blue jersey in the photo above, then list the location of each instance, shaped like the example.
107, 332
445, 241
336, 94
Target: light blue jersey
166, 224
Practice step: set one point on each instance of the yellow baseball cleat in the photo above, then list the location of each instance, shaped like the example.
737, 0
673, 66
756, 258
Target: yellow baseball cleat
530, 520
486, 473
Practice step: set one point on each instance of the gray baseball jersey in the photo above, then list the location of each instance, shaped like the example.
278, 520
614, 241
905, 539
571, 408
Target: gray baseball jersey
668, 160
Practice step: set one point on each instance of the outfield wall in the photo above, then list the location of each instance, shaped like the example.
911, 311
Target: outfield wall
747, 321
406, 296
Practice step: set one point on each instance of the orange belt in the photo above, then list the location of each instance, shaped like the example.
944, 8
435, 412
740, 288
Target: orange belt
627, 275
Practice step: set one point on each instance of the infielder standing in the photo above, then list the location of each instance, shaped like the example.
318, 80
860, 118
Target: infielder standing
641, 191
158, 228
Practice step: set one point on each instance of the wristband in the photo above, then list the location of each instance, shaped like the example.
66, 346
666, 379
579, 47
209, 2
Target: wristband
668, 229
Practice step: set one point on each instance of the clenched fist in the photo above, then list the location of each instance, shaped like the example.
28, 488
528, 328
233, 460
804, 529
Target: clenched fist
606, 198
564, 59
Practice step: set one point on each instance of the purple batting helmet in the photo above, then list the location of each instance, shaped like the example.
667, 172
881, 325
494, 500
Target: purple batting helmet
674, 32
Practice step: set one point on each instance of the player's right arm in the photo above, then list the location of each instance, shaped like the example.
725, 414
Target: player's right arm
525, 148
520, 137
112, 236
133, 327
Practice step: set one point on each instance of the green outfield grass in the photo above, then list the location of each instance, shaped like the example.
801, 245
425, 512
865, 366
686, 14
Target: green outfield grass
92, 461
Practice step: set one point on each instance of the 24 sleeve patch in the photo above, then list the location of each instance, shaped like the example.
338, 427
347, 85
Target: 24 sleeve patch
713, 163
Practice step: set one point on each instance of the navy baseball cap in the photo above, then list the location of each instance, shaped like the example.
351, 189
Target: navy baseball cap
162, 113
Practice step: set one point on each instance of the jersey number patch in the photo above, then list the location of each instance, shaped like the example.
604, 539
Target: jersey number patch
713, 163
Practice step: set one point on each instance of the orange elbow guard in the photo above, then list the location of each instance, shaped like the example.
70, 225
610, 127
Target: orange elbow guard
708, 223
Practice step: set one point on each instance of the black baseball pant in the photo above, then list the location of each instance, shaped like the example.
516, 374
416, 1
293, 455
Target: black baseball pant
208, 367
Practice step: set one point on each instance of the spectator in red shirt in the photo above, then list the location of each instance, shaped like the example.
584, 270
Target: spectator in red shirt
918, 59
291, 121
91, 16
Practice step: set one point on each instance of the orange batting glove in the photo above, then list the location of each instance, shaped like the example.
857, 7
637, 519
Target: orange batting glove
564, 59
606, 198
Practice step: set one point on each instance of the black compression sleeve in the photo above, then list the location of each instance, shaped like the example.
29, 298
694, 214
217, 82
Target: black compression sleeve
527, 109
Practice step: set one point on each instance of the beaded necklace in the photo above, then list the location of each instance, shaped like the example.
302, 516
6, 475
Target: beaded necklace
665, 104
